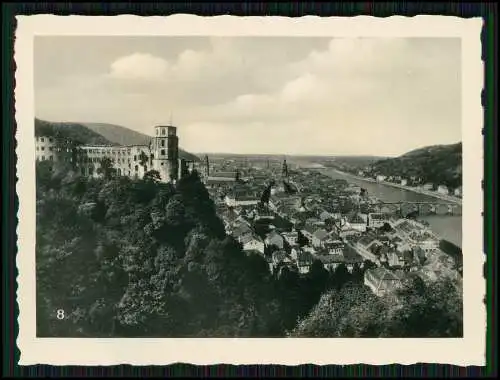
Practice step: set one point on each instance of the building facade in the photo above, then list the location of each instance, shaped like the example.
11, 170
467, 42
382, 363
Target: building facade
161, 155
51, 148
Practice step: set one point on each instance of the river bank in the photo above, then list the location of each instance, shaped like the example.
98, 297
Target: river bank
433, 194
448, 227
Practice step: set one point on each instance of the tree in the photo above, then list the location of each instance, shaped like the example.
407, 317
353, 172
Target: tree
266, 194
143, 159
301, 239
106, 168
352, 311
386, 227
341, 276
429, 310
152, 175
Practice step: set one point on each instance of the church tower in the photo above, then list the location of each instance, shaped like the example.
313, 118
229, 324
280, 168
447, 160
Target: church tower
284, 170
165, 151
207, 167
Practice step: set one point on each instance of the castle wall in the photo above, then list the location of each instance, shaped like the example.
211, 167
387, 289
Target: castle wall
132, 161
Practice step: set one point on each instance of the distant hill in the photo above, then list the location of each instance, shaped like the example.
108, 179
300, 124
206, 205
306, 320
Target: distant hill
438, 164
99, 134
119, 135
345, 163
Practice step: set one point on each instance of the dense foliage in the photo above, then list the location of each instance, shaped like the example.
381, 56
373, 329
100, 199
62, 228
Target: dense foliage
416, 311
124, 257
439, 165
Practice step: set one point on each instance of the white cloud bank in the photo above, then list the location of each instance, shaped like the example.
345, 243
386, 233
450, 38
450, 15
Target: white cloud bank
253, 95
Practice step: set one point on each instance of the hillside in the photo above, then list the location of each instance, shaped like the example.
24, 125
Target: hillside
73, 131
100, 134
438, 164
118, 134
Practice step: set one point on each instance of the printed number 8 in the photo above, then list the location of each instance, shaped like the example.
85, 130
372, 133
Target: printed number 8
60, 314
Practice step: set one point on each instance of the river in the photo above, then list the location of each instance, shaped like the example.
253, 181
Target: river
448, 227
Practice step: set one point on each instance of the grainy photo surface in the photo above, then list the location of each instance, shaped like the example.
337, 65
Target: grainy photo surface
250, 186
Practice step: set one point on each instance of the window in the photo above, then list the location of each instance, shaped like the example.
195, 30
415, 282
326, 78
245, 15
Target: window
42, 139
163, 131
51, 158
37, 148
162, 143
91, 170
136, 168
83, 171
135, 158
42, 148
43, 158
162, 152
145, 168
157, 131
51, 148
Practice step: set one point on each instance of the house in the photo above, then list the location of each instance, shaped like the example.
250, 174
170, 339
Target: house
381, 178
252, 242
281, 260
308, 231
382, 281
334, 247
428, 186
274, 239
356, 222
304, 261
291, 238
395, 259
376, 219
279, 257
423, 239
324, 216
260, 214
253, 252
314, 222
442, 189
319, 238
330, 262
240, 230
241, 199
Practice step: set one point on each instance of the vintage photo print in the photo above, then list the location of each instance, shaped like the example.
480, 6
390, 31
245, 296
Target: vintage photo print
249, 190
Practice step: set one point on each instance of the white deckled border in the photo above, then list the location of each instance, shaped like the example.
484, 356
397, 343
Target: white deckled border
467, 351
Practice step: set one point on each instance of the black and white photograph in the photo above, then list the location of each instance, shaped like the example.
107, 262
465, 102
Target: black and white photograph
250, 186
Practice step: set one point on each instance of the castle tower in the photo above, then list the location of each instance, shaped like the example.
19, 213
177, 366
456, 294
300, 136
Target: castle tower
165, 149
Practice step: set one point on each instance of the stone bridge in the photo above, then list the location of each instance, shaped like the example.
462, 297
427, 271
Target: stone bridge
420, 208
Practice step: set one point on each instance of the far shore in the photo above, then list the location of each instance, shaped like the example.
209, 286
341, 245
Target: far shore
443, 197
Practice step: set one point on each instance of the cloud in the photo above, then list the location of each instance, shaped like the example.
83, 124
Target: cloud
139, 66
358, 96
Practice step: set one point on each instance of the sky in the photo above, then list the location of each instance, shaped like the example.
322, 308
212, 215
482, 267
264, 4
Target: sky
268, 95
